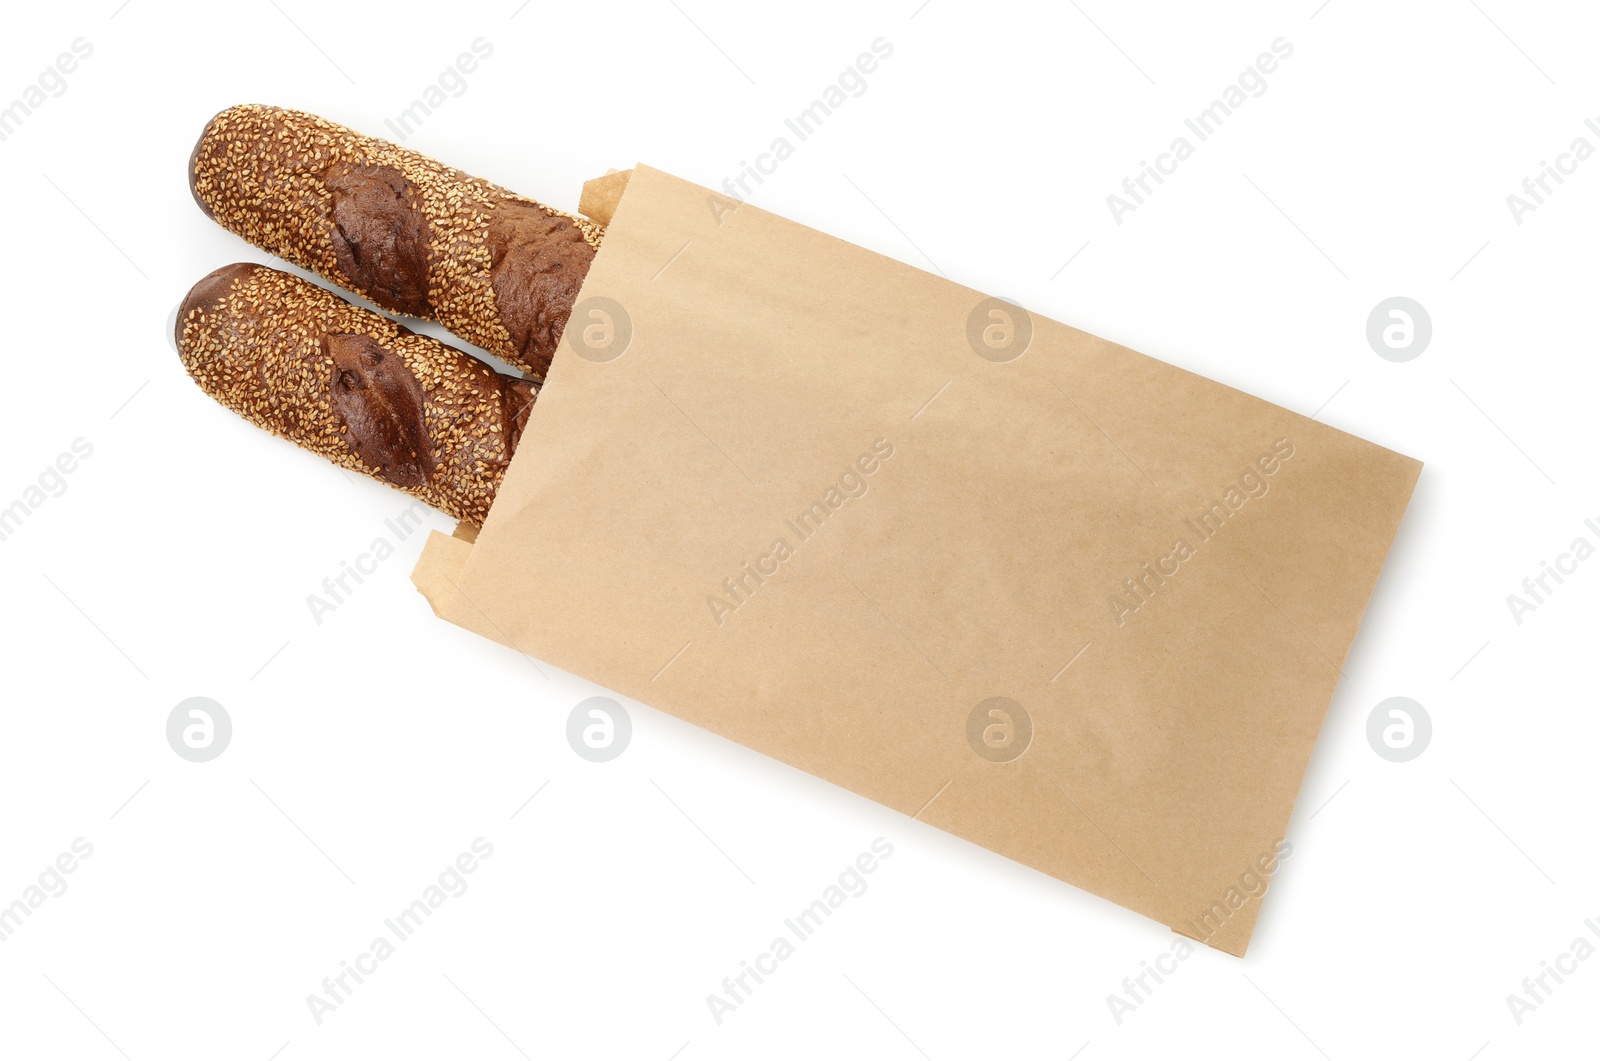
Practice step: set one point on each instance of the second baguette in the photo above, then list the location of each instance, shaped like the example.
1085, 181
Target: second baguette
353, 386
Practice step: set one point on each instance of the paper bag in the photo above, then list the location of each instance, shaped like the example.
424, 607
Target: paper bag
1078, 606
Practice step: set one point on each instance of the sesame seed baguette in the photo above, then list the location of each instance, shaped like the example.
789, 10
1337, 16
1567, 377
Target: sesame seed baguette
412, 235
352, 385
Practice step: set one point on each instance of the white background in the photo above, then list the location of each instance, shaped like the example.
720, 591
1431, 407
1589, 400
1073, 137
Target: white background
370, 750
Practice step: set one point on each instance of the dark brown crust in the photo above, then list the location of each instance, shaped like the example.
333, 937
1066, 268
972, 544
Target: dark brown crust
208, 292
378, 402
412, 235
537, 264
194, 157
380, 236
353, 386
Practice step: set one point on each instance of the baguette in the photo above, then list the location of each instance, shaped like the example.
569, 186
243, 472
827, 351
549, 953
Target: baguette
406, 232
352, 385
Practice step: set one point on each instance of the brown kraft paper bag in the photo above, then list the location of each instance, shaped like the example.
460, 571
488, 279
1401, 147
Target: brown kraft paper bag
1070, 603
